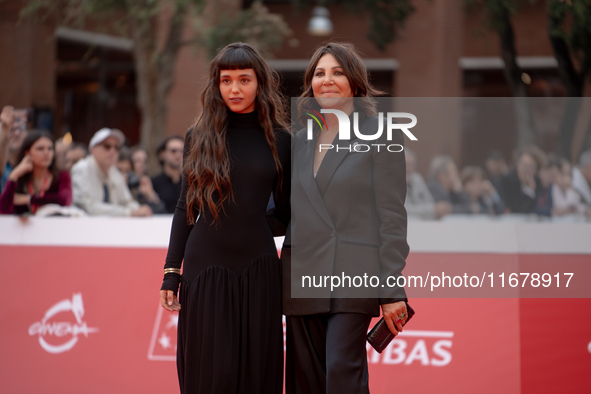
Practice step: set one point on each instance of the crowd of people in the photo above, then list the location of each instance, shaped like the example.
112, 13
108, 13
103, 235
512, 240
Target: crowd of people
109, 178
106, 178
539, 183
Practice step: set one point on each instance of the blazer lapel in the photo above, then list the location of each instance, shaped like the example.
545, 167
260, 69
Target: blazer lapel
329, 165
306, 175
333, 158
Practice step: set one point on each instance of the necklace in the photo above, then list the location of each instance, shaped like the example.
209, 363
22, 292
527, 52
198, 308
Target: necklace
34, 207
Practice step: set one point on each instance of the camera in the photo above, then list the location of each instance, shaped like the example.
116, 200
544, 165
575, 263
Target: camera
133, 181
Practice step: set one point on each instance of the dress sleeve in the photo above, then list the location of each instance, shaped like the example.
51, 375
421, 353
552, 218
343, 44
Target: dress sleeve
7, 198
389, 184
280, 216
63, 196
180, 229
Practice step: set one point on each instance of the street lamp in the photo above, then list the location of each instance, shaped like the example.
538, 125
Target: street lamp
320, 24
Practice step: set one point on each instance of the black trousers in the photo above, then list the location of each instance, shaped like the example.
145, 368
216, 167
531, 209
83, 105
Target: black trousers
326, 354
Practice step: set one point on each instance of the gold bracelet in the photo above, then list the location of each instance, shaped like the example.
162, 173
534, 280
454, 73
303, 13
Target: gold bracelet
172, 271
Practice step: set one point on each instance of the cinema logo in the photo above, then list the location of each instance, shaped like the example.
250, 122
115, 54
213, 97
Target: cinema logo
58, 336
425, 348
345, 130
163, 342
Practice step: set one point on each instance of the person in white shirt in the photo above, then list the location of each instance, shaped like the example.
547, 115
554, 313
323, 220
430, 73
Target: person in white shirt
582, 177
419, 201
565, 200
98, 187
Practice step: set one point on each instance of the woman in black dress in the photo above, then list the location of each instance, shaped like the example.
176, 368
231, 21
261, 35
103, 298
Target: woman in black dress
230, 334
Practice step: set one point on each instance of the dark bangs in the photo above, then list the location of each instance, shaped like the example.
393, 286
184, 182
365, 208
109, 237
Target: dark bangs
234, 58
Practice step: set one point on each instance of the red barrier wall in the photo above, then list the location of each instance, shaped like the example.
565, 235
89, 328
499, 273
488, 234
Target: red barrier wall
86, 319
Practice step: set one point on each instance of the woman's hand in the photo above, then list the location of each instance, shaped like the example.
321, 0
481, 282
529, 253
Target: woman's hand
25, 166
527, 179
391, 313
443, 208
21, 199
143, 211
147, 189
169, 301
6, 119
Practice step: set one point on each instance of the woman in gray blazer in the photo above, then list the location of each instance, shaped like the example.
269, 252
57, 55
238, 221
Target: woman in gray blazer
348, 222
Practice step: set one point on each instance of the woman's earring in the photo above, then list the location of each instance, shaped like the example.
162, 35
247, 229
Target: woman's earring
257, 92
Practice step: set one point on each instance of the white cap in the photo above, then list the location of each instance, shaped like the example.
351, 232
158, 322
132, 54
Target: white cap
105, 133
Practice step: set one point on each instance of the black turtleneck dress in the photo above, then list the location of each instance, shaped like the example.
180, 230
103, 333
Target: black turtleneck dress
230, 332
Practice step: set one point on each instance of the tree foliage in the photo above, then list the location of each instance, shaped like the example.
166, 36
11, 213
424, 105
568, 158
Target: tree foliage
146, 22
569, 32
569, 28
255, 25
499, 15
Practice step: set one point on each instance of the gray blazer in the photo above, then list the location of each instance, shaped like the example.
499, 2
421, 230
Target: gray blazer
349, 221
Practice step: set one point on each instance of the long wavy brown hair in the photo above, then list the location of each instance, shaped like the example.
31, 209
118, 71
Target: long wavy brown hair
354, 69
208, 163
32, 137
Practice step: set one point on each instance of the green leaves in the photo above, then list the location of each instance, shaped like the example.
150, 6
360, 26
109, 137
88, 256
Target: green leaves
255, 25
570, 20
385, 19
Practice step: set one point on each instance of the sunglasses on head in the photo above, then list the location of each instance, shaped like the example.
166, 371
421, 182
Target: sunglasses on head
110, 146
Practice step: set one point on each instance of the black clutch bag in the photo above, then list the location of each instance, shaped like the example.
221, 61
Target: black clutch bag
380, 335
